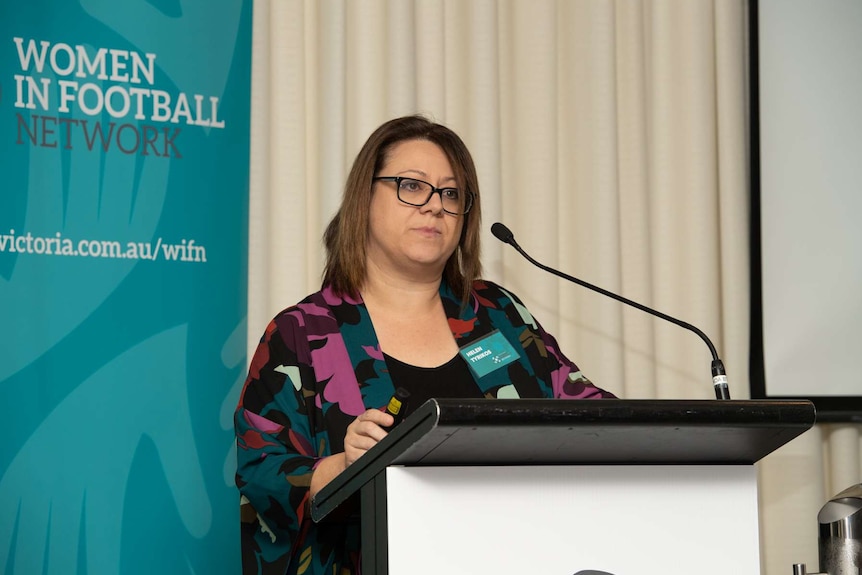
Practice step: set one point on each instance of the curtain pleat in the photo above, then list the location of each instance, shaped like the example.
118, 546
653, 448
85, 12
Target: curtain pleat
633, 169
610, 136
733, 175
588, 189
530, 193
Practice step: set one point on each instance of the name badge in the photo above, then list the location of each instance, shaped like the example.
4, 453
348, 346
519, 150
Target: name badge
488, 354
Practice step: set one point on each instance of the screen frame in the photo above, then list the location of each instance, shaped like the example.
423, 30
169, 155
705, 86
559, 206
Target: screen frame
830, 408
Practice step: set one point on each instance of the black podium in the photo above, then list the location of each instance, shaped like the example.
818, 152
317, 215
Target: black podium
565, 486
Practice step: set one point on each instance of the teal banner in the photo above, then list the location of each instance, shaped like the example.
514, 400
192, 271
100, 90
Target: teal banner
124, 167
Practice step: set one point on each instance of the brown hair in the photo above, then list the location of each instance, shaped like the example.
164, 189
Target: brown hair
346, 235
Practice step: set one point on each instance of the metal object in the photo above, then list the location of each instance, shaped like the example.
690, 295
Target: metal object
799, 569
840, 533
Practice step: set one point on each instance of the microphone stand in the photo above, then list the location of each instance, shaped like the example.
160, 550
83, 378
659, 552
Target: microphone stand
719, 376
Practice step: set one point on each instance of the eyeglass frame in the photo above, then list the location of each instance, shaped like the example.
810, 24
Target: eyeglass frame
468, 197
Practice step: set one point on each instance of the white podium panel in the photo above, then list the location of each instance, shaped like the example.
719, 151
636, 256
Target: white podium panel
573, 520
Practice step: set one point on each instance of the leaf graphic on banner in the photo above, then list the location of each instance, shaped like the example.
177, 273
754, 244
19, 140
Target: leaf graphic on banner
65, 490
204, 69
80, 195
233, 356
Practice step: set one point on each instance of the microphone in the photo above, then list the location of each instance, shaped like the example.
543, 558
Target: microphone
719, 377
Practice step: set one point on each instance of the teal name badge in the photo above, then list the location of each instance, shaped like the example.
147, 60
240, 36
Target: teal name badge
488, 354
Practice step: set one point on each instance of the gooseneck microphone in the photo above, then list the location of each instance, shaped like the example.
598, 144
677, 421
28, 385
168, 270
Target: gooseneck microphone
719, 377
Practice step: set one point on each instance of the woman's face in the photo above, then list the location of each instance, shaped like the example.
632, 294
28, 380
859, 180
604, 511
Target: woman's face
415, 241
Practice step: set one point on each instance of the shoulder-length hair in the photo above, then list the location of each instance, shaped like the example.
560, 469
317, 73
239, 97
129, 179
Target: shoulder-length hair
346, 235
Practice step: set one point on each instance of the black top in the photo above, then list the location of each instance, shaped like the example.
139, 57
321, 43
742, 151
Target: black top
450, 380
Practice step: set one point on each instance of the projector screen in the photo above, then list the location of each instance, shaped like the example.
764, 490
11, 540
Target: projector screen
806, 61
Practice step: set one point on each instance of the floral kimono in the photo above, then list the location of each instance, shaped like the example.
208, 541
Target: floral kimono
318, 366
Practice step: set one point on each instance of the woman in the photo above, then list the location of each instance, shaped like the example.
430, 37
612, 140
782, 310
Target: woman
401, 306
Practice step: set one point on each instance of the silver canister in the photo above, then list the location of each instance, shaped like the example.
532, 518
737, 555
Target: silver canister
840, 540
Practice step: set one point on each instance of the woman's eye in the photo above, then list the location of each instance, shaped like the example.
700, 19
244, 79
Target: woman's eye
451, 193
410, 185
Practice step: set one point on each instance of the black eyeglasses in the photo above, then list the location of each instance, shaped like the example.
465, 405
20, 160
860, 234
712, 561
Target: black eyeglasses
415, 192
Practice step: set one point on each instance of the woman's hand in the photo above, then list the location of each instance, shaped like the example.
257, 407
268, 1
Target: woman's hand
364, 433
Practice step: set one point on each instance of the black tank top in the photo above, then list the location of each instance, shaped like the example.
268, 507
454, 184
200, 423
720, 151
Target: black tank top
450, 380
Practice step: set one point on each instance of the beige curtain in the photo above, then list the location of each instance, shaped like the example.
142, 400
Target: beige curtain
610, 136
